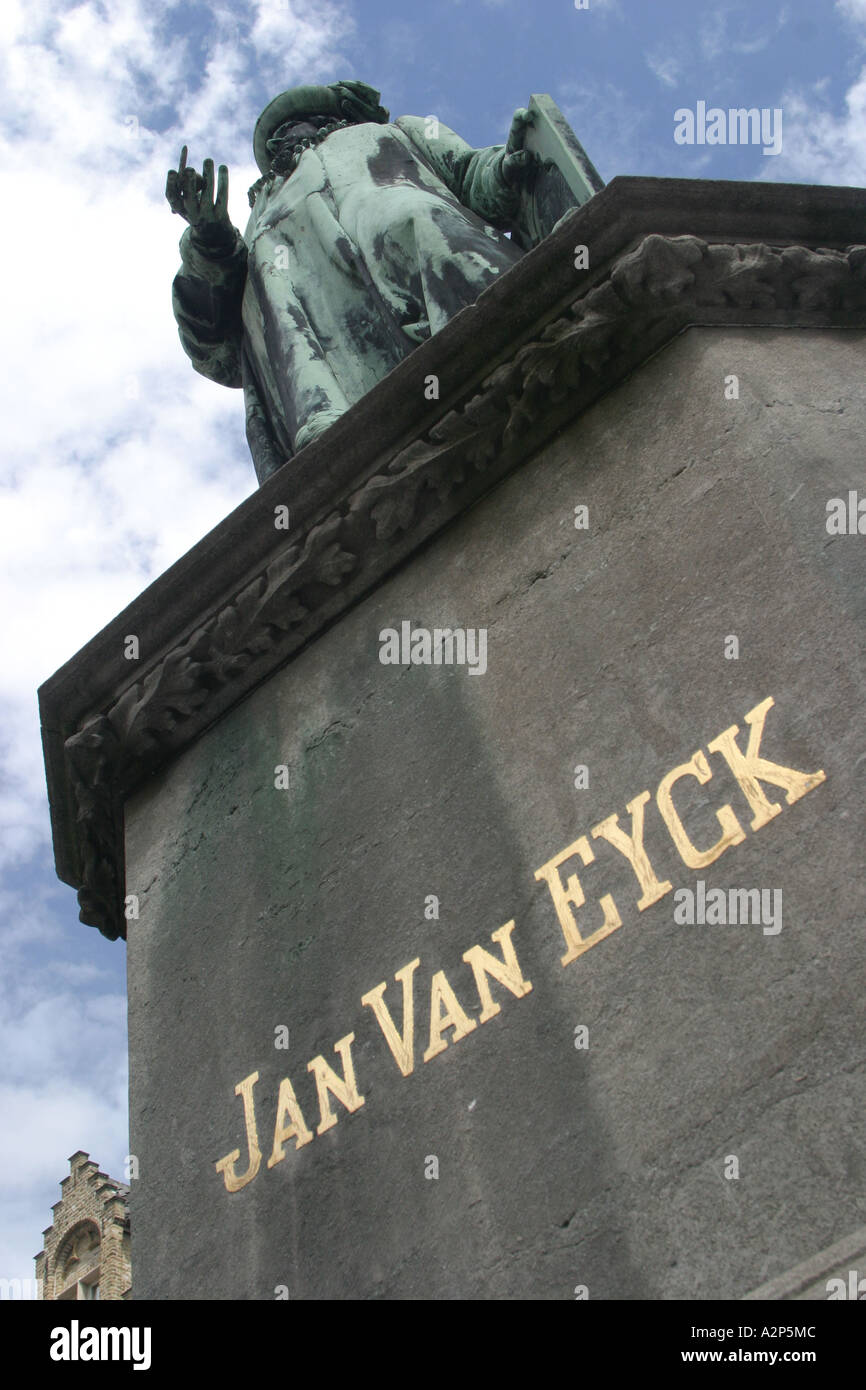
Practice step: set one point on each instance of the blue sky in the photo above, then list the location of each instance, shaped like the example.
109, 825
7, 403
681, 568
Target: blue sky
117, 457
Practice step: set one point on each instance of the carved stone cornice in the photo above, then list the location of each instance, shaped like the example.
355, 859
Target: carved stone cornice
353, 533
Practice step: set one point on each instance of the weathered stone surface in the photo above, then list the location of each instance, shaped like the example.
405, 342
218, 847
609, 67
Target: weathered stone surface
261, 907
837, 1271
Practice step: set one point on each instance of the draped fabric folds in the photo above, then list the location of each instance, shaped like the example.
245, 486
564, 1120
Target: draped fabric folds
380, 235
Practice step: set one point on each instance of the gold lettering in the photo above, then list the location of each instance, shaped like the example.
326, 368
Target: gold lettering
568, 895
402, 1045
748, 768
287, 1104
226, 1166
506, 971
344, 1088
733, 832
454, 1017
632, 847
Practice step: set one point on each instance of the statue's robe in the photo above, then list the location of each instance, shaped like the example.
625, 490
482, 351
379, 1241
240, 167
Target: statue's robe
379, 236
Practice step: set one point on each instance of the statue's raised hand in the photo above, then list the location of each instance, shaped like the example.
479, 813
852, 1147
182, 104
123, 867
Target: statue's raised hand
518, 161
192, 196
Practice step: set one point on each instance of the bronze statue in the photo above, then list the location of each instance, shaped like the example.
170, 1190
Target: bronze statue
365, 237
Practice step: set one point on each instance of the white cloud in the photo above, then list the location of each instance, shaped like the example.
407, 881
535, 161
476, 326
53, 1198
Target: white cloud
855, 10
117, 458
821, 145
31, 1158
609, 8
664, 65
64, 1081
727, 30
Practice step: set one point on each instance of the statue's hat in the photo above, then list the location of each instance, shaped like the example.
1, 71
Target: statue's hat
352, 101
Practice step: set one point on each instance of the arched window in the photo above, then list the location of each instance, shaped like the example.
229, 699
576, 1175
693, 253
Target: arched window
78, 1262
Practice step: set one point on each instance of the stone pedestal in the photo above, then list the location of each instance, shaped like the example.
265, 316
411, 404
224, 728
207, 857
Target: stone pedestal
416, 1009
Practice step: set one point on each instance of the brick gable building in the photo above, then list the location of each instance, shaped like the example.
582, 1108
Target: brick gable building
86, 1251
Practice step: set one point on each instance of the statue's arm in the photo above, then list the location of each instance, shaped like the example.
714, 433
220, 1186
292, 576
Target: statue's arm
208, 289
206, 298
487, 180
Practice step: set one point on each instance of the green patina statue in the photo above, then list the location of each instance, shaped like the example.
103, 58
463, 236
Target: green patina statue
366, 236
